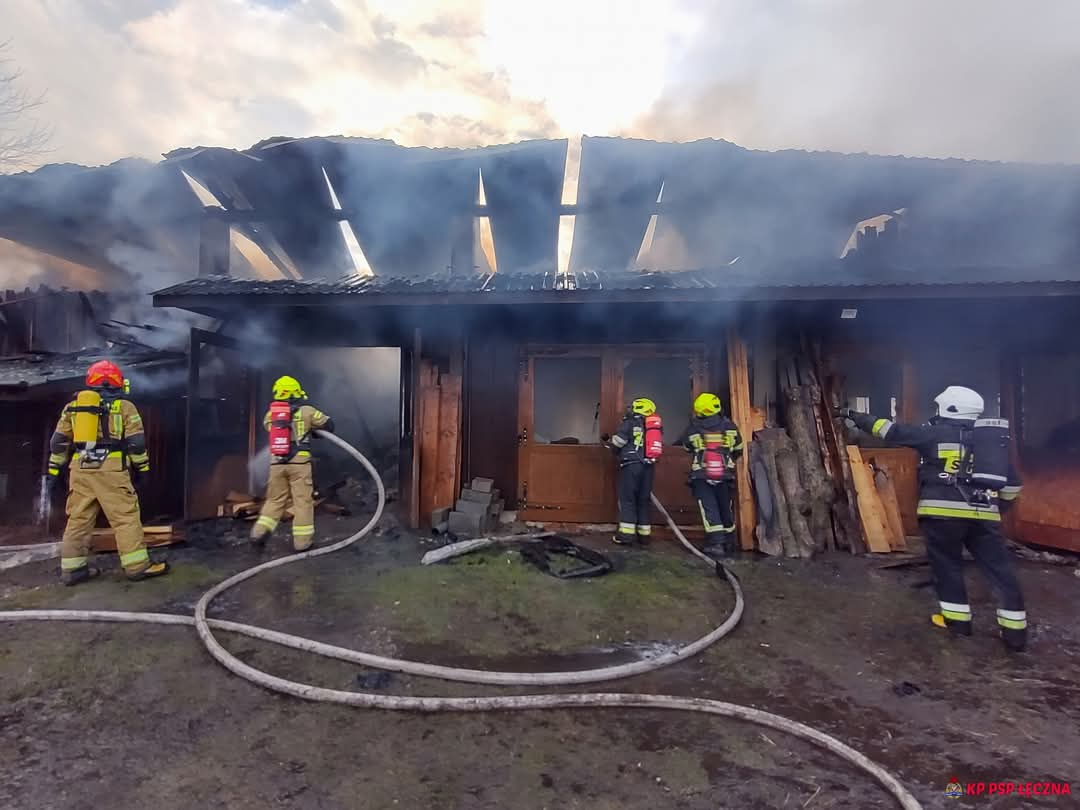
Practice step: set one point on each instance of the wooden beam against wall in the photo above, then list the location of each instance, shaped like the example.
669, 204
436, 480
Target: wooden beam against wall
741, 413
417, 422
446, 476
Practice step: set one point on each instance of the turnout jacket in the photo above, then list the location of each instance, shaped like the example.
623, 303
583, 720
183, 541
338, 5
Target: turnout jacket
122, 435
306, 418
703, 429
628, 442
939, 445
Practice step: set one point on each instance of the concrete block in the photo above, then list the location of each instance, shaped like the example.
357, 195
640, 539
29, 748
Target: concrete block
472, 507
477, 497
508, 517
440, 515
483, 484
496, 508
463, 524
442, 528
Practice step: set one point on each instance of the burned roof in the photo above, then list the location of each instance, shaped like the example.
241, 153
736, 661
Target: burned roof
739, 281
20, 374
412, 209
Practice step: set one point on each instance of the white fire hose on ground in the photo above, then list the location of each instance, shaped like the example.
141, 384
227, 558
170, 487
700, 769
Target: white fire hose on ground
205, 626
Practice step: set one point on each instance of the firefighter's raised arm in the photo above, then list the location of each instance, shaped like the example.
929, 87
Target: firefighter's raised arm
886, 429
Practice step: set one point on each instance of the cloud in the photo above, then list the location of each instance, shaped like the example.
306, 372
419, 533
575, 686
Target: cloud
987, 79
146, 78
990, 79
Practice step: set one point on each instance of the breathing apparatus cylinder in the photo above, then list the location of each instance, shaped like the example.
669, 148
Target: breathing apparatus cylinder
86, 423
280, 429
654, 437
988, 454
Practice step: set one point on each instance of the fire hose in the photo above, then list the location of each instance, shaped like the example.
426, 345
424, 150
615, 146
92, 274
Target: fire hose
205, 626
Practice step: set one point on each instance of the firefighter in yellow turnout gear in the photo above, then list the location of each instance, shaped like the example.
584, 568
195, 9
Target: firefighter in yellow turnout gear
290, 422
106, 433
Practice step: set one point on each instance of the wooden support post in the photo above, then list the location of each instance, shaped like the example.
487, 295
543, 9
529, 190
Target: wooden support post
427, 458
739, 391
908, 407
189, 417
446, 476
417, 420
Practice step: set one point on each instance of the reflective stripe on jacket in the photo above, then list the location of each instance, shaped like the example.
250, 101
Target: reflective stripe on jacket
126, 437
940, 451
706, 429
305, 419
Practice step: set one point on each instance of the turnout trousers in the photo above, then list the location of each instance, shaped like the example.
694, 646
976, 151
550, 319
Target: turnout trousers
288, 482
635, 507
946, 539
111, 492
714, 501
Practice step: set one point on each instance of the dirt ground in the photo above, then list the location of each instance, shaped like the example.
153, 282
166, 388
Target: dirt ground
119, 716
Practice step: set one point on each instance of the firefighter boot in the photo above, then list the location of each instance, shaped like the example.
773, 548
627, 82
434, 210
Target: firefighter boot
155, 569
1015, 640
956, 628
79, 575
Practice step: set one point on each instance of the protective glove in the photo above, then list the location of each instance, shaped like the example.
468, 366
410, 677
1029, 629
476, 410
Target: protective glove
139, 478
605, 437
842, 413
51, 479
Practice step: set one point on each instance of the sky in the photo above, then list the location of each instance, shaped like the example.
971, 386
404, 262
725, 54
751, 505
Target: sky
989, 80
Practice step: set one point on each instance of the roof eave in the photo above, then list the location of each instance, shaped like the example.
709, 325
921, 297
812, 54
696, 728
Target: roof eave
218, 303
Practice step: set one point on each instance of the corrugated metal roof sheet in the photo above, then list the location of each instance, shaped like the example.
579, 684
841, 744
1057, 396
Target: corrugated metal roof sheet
835, 274
28, 371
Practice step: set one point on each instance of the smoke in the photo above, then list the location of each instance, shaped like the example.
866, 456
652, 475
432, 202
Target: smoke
987, 79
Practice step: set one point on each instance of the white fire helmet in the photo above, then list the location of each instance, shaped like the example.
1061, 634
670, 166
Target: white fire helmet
957, 402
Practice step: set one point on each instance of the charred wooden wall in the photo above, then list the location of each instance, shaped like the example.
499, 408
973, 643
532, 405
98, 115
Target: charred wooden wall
491, 408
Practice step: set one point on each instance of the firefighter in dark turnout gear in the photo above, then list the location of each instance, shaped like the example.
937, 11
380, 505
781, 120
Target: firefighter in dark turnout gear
290, 469
105, 432
714, 443
955, 515
636, 471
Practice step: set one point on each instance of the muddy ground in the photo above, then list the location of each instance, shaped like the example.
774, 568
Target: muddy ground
120, 716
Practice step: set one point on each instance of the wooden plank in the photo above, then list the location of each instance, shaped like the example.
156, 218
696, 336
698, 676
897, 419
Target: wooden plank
105, 539
413, 516
887, 493
525, 428
739, 392
875, 527
901, 464
428, 456
446, 474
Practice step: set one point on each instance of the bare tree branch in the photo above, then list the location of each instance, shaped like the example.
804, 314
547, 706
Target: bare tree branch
23, 138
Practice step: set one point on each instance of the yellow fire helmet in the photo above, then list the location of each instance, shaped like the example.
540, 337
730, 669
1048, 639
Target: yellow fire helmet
643, 407
707, 405
288, 388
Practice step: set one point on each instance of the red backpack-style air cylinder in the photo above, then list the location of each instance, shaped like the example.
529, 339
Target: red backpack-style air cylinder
715, 459
654, 437
280, 429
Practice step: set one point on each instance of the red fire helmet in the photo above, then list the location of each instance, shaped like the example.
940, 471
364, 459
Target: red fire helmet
104, 373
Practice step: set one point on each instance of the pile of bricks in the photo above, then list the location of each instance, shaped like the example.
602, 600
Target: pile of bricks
476, 512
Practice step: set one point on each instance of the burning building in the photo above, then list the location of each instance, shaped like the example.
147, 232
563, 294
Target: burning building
523, 293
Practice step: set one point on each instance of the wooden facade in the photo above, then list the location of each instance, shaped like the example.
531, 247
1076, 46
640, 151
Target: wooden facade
475, 399
572, 479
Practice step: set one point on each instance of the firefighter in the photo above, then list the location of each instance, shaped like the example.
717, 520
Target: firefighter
637, 444
714, 443
956, 513
106, 433
290, 422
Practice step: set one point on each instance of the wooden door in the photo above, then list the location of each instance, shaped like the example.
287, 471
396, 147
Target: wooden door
589, 387
564, 407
